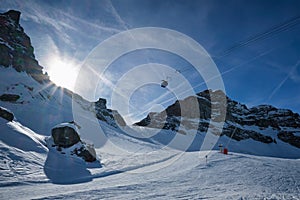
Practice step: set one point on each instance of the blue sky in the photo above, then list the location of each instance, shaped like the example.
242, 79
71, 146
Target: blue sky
265, 70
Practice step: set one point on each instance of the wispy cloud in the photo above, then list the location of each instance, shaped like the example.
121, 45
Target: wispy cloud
292, 74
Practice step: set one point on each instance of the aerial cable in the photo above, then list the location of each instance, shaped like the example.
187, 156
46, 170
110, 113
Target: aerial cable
285, 26
262, 36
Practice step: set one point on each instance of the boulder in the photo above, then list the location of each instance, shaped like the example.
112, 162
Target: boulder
87, 152
6, 114
65, 135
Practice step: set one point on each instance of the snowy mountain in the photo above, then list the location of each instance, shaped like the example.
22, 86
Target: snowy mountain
131, 162
27, 91
263, 125
29, 170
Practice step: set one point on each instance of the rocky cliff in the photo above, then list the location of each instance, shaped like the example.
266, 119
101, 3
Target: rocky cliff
17, 89
16, 49
241, 122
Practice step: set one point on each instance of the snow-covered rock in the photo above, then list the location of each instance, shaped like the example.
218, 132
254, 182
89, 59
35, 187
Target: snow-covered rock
65, 135
241, 123
66, 140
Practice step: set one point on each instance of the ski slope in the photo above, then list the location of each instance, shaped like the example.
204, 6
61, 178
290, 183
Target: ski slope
144, 170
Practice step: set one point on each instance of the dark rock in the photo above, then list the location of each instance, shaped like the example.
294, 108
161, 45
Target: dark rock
289, 137
87, 152
263, 116
9, 97
14, 15
65, 136
4, 55
6, 114
260, 137
100, 104
144, 122
172, 123
16, 49
109, 116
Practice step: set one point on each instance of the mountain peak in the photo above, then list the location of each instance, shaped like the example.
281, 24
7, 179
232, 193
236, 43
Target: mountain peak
262, 123
14, 15
15, 47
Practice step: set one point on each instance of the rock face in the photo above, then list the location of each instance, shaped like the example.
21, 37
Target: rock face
16, 49
289, 137
241, 122
101, 112
112, 117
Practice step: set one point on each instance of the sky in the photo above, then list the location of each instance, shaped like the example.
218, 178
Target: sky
255, 46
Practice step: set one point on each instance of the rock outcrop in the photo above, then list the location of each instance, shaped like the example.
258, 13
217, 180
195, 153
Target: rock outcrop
290, 138
112, 117
65, 138
6, 114
241, 122
17, 52
16, 49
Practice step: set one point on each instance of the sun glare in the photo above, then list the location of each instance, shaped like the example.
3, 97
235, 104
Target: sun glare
62, 72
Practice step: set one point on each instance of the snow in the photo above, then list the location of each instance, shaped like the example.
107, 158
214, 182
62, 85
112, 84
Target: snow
66, 124
5, 109
143, 171
6, 44
136, 163
61, 169
297, 134
40, 107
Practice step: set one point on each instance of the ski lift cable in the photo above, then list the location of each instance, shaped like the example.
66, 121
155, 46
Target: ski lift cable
288, 25
253, 41
231, 69
262, 36
285, 26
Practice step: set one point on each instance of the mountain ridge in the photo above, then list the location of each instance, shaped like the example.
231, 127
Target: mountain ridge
284, 123
23, 83
241, 122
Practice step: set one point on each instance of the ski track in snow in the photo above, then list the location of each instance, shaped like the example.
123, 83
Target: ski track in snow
132, 168
233, 176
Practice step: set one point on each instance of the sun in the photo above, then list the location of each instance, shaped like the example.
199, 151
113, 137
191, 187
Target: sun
62, 72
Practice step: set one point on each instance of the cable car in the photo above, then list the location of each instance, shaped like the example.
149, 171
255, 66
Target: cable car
164, 84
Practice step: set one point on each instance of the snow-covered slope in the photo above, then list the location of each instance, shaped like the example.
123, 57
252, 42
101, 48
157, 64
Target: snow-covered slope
27, 91
143, 172
132, 166
39, 106
22, 153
